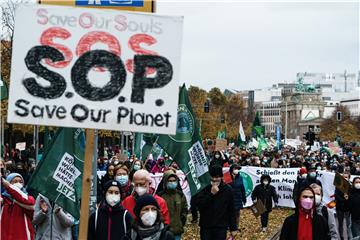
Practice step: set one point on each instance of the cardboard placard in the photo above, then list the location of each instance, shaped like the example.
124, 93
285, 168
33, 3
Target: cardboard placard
98, 69
221, 144
258, 208
341, 183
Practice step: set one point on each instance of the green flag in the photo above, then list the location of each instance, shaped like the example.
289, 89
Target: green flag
262, 146
59, 175
137, 145
47, 138
144, 144
3, 90
186, 147
257, 128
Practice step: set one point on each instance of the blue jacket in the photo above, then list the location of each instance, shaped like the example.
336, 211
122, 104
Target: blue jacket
238, 189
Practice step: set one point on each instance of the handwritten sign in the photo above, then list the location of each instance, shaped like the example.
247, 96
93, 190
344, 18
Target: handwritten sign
93, 68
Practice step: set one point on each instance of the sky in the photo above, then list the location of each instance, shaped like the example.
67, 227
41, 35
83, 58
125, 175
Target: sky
245, 45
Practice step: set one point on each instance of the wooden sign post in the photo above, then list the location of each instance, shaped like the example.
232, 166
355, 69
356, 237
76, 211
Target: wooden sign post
86, 183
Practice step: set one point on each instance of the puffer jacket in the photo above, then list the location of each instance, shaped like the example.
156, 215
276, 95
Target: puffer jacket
177, 205
238, 189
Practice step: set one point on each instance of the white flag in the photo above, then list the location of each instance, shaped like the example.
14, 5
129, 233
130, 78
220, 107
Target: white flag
241, 132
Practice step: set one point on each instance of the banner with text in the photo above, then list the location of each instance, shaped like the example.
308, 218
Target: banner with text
90, 68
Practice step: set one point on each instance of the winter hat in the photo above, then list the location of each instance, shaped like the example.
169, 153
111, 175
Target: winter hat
302, 171
109, 184
143, 201
11, 176
216, 171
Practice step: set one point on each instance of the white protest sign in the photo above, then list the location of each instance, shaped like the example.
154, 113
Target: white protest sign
66, 174
21, 146
91, 68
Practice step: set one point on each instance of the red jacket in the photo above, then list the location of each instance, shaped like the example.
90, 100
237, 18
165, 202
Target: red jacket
129, 204
16, 216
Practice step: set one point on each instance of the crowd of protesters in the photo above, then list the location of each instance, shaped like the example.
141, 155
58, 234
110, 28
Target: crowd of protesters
129, 208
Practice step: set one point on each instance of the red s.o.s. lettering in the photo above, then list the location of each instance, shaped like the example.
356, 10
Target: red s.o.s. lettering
47, 38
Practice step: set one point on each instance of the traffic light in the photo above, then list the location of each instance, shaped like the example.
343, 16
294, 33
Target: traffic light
207, 106
339, 116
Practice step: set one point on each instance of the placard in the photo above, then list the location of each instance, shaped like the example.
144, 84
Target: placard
21, 146
221, 144
90, 68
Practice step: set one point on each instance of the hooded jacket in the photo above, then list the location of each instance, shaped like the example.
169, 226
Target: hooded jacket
238, 189
177, 205
16, 213
59, 227
266, 193
289, 230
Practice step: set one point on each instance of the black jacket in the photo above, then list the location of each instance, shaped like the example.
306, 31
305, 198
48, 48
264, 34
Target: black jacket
308, 181
217, 211
238, 189
105, 214
340, 201
265, 193
289, 229
353, 204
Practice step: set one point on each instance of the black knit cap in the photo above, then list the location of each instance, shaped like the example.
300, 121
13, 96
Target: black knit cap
111, 183
143, 201
216, 171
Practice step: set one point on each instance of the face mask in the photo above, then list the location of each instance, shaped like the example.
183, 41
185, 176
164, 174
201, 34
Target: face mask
317, 200
265, 161
215, 183
149, 218
116, 162
307, 203
123, 180
304, 176
18, 185
318, 168
112, 199
137, 167
140, 190
217, 156
236, 172
312, 174
357, 185
172, 185
265, 182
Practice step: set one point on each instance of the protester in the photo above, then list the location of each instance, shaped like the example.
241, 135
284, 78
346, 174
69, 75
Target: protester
305, 223
299, 182
122, 176
110, 220
238, 189
216, 207
17, 210
325, 212
342, 210
141, 183
51, 221
176, 203
136, 165
109, 175
150, 223
267, 194
353, 204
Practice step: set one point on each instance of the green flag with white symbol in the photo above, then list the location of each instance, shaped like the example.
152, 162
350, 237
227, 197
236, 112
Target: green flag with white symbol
186, 146
59, 175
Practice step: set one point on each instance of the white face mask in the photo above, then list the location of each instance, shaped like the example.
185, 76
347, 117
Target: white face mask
236, 172
18, 185
318, 199
149, 218
112, 199
266, 182
357, 185
140, 190
304, 176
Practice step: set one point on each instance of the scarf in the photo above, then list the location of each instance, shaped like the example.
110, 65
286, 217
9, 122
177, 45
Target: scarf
305, 225
151, 233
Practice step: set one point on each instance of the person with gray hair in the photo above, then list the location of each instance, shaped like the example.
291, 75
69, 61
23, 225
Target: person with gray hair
141, 182
325, 212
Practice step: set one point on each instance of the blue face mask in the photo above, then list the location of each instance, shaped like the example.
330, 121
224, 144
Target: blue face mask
123, 179
172, 185
312, 175
136, 167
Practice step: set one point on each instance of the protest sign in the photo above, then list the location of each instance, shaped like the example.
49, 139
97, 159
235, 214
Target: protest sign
21, 146
258, 208
221, 144
89, 68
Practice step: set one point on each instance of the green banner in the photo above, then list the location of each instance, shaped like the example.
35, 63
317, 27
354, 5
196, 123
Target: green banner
59, 175
186, 146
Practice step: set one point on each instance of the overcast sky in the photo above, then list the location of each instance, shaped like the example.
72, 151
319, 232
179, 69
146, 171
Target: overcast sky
239, 45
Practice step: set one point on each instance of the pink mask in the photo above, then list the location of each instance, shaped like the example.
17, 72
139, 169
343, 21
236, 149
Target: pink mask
307, 203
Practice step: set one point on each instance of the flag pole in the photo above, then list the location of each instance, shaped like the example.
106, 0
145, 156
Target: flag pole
86, 183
